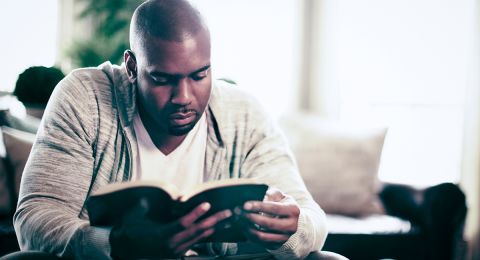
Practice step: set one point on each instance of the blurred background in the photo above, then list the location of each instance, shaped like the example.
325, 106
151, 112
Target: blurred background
410, 65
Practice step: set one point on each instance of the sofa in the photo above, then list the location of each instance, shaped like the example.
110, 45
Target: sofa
367, 219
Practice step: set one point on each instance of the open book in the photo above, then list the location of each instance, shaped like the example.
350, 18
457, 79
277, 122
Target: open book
164, 203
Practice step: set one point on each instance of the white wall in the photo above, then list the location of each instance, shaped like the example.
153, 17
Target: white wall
257, 44
29, 37
470, 181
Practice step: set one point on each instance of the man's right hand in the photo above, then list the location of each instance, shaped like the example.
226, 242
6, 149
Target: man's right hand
139, 237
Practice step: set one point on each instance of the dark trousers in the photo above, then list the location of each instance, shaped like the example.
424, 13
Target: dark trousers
37, 255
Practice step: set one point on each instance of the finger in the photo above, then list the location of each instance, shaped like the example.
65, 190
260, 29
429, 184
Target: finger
186, 245
264, 237
274, 194
279, 225
214, 219
249, 230
195, 214
273, 208
196, 229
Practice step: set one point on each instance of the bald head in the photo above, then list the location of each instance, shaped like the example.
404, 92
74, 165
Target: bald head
169, 20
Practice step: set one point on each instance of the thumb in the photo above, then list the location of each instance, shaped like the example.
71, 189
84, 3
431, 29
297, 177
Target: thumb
274, 194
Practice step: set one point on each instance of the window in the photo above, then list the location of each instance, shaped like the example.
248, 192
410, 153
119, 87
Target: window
256, 44
403, 64
29, 37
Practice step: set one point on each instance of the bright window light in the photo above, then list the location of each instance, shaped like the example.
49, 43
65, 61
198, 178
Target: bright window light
256, 43
29, 37
403, 64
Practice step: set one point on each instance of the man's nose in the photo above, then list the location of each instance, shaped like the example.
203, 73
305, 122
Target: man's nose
182, 93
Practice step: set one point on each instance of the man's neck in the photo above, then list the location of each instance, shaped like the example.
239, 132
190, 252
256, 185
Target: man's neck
166, 144
163, 141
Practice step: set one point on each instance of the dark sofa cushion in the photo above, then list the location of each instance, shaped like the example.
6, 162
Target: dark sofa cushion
411, 246
6, 206
8, 239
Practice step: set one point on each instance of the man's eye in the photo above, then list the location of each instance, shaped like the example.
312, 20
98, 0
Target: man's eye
200, 75
160, 81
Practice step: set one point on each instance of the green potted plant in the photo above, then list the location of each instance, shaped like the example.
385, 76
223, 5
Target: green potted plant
110, 32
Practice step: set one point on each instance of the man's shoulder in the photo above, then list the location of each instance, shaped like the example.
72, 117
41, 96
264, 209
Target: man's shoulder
104, 74
95, 82
235, 107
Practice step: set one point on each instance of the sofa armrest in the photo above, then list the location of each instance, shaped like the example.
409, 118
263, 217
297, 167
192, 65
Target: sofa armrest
438, 210
440, 205
402, 201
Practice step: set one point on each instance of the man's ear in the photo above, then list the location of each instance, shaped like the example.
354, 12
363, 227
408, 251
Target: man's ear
130, 65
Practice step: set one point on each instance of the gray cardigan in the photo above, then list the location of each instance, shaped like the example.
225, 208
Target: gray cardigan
87, 140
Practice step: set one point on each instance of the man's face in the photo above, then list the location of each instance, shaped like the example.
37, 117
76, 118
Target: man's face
174, 82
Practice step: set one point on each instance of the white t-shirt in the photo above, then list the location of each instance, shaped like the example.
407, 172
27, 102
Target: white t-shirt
183, 167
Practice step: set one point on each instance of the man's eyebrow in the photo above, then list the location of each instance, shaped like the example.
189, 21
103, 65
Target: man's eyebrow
161, 74
204, 68
167, 75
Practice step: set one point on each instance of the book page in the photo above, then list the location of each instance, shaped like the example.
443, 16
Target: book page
171, 189
215, 184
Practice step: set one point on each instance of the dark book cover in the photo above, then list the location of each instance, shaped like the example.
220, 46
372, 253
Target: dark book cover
163, 204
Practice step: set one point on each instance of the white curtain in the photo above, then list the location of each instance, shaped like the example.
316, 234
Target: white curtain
471, 160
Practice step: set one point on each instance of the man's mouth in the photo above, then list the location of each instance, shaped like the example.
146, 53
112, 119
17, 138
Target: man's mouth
182, 118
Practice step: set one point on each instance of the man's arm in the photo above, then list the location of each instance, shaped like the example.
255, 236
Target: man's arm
57, 177
56, 182
270, 160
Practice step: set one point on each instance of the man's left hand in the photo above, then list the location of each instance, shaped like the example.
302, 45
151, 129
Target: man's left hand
271, 222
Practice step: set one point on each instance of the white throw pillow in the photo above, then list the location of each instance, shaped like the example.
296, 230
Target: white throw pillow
339, 164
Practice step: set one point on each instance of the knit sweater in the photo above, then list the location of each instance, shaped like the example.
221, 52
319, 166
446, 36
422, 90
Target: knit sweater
86, 140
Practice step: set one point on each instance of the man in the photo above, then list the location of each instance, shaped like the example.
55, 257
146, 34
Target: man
139, 121
34, 87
